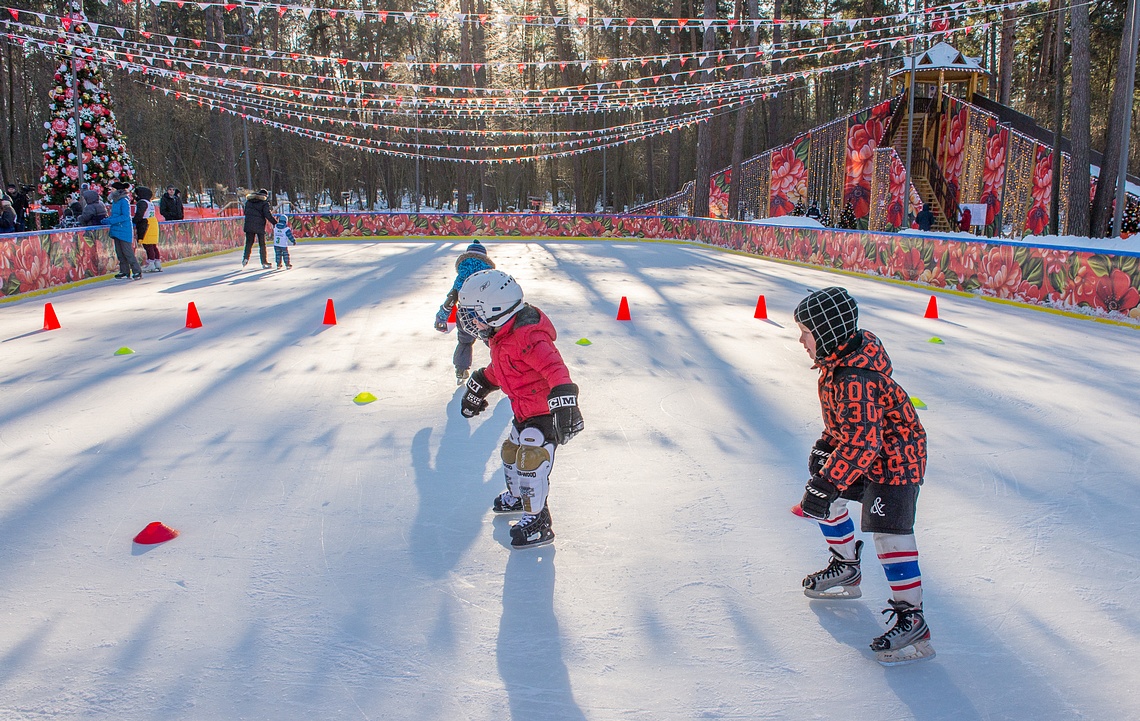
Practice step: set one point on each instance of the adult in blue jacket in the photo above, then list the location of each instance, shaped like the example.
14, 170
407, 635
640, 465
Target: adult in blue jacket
122, 232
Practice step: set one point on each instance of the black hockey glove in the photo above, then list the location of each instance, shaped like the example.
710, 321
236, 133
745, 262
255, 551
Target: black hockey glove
818, 495
474, 401
563, 404
820, 452
441, 317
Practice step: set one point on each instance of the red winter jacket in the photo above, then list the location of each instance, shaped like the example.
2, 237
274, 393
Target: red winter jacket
525, 363
869, 418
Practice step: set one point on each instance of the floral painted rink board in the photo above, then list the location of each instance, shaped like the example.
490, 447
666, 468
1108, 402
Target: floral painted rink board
1088, 281
35, 261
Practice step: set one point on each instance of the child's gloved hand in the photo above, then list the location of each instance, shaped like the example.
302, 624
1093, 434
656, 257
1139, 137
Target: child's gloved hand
563, 405
441, 320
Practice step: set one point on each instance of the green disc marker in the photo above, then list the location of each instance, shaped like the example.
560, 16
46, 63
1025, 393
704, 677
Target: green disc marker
935, 339
124, 351
362, 398
918, 403
584, 341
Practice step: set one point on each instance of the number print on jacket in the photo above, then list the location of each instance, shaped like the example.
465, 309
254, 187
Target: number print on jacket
869, 418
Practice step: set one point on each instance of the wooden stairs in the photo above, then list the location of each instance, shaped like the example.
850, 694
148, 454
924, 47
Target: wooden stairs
922, 127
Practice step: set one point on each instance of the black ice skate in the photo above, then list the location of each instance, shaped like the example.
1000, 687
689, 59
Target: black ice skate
461, 376
532, 531
506, 503
905, 642
841, 574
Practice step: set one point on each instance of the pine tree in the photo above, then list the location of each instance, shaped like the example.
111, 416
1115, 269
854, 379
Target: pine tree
1130, 222
847, 218
105, 155
799, 210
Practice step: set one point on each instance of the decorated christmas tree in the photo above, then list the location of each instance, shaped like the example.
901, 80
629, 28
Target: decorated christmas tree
1130, 222
105, 155
847, 218
799, 210
825, 218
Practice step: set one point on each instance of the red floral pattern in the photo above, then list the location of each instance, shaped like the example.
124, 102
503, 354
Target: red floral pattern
789, 182
862, 139
954, 145
1037, 219
993, 175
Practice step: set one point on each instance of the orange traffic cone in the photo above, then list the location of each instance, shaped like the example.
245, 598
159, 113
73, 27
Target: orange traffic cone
192, 319
761, 309
623, 309
451, 318
50, 321
932, 308
330, 313
155, 533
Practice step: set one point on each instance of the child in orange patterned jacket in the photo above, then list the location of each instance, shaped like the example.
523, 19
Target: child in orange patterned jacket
873, 451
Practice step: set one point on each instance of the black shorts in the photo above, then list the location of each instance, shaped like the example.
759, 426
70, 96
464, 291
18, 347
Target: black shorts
886, 509
544, 423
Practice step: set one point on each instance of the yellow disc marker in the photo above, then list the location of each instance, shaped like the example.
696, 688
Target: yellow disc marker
362, 398
935, 339
918, 403
124, 351
584, 341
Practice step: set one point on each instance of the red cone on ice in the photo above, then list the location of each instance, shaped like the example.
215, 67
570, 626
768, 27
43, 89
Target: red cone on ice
761, 309
192, 319
330, 313
50, 321
156, 532
932, 308
623, 309
451, 318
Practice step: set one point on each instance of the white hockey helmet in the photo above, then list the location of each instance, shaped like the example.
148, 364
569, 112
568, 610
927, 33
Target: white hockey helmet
487, 300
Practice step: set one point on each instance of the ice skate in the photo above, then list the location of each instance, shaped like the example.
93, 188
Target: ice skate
266, 265
122, 276
532, 530
279, 266
506, 503
149, 267
288, 266
244, 262
905, 642
841, 574
461, 376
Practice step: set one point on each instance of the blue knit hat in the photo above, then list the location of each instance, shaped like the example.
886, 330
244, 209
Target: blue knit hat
477, 247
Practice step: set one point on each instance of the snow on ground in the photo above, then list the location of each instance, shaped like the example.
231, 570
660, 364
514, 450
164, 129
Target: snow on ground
790, 221
339, 561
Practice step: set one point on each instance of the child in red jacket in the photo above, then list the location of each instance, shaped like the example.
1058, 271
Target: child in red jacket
872, 451
529, 369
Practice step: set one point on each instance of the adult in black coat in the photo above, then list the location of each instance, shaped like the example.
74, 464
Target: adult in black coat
20, 204
170, 205
257, 214
925, 218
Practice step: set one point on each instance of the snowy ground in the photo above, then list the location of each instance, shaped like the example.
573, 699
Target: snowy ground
339, 561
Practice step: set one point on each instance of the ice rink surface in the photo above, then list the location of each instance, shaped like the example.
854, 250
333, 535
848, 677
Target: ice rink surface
340, 561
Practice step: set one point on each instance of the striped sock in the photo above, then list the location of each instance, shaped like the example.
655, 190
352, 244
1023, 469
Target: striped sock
899, 556
840, 534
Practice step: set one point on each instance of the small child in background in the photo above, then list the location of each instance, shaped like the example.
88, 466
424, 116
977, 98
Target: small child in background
282, 239
469, 262
146, 228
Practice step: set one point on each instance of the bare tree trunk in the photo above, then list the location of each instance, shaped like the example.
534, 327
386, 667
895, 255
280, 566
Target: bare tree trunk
1079, 180
1114, 134
1005, 72
705, 134
741, 115
673, 173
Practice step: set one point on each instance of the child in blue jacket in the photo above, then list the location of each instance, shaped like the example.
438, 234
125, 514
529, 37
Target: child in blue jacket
122, 232
472, 260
